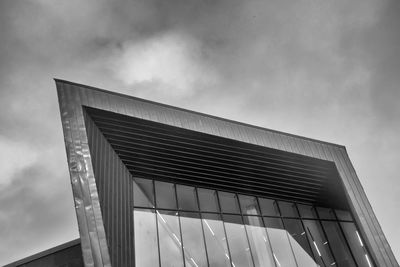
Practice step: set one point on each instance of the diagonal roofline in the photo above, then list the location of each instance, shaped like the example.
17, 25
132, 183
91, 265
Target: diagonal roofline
197, 113
44, 253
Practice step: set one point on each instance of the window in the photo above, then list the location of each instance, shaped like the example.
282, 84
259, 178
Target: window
186, 226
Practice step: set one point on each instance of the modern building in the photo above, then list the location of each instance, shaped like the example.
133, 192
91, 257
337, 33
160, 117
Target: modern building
159, 186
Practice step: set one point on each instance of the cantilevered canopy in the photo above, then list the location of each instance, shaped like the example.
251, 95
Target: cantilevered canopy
155, 150
145, 138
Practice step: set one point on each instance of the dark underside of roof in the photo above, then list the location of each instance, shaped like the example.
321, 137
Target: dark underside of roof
159, 151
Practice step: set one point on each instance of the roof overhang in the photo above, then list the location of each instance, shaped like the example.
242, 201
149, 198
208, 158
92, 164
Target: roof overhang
140, 133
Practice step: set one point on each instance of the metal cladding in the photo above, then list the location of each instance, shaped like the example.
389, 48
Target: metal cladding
151, 149
109, 137
114, 182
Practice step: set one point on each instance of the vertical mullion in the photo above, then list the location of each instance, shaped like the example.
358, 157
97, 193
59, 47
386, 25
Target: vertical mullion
245, 230
109, 192
345, 239
120, 216
309, 232
114, 206
201, 223
179, 222
323, 230
266, 231
223, 225
304, 228
131, 226
156, 214
287, 236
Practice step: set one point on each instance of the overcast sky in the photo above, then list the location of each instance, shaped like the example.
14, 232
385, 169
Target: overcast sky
324, 69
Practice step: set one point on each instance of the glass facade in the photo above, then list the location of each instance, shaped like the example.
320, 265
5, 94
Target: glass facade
184, 226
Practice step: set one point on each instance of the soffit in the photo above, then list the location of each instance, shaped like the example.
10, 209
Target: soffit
163, 152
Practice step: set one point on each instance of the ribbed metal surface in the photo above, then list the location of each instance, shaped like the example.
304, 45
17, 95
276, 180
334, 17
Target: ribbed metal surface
114, 183
87, 207
152, 149
81, 95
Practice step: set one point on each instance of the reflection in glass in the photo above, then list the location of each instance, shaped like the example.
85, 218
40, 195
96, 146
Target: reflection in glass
338, 244
229, 202
146, 252
288, 209
269, 207
298, 240
193, 242
217, 249
187, 199
165, 195
307, 211
237, 241
356, 244
169, 239
143, 193
249, 205
259, 243
208, 200
325, 213
278, 237
343, 215
319, 243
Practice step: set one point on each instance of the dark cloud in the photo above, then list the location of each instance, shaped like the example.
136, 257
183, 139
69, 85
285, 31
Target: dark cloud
327, 70
34, 207
382, 45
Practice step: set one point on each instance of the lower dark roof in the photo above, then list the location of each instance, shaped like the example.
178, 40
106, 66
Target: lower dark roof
67, 254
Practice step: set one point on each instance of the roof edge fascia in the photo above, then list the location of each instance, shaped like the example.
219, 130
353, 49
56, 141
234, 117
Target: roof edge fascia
198, 113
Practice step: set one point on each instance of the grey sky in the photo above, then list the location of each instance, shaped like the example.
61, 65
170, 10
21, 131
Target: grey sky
329, 70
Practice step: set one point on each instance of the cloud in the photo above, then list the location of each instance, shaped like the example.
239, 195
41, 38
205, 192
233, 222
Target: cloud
171, 62
14, 156
35, 211
323, 69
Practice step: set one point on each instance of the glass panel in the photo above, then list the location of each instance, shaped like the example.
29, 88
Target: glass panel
343, 215
237, 241
326, 213
249, 205
307, 211
187, 199
356, 244
269, 207
319, 243
288, 209
143, 193
193, 242
229, 202
146, 249
217, 249
278, 237
165, 195
170, 241
298, 240
208, 200
259, 243
338, 244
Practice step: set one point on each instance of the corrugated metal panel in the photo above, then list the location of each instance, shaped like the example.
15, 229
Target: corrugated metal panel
65, 255
94, 247
155, 150
204, 123
114, 183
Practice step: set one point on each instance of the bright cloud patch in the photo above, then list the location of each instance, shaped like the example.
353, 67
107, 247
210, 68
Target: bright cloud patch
13, 157
170, 62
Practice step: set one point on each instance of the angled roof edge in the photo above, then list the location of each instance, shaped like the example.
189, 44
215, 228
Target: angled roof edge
198, 113
44, 253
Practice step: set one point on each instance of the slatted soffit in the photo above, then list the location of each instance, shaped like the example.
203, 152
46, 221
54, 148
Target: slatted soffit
155, 150
163, 142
